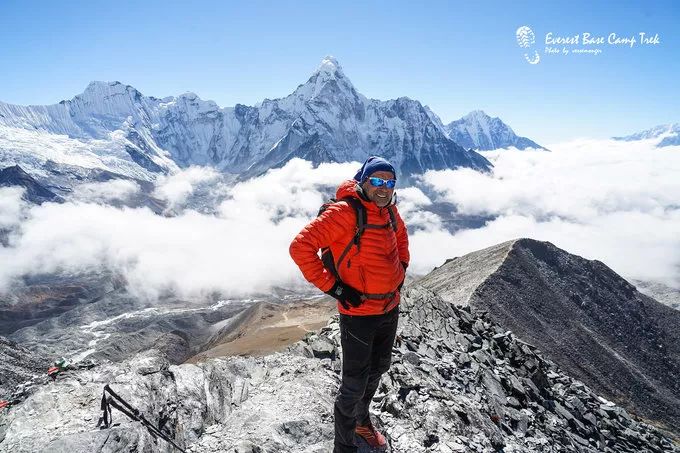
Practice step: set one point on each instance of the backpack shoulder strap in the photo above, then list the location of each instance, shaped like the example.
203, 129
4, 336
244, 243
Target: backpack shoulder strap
393, 218
360, 212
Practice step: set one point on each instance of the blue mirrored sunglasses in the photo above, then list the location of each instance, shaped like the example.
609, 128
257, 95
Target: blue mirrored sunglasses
379, 182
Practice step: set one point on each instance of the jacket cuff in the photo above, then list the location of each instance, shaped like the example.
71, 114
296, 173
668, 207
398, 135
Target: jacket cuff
327, 285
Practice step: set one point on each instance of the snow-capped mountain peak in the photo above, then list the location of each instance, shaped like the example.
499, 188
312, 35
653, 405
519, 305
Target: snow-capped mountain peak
330, 67
104, 106
479, 131
328, 79
197, 105
485, 123
98, 88
479, 115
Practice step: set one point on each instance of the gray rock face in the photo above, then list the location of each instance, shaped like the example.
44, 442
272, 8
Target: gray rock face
458, 383
18, 366
582, 315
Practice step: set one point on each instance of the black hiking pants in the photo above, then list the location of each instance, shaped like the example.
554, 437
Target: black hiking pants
366, 354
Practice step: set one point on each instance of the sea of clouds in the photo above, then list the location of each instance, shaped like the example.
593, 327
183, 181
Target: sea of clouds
618, 202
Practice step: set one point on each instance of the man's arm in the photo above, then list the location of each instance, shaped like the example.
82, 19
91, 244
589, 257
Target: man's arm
335, 222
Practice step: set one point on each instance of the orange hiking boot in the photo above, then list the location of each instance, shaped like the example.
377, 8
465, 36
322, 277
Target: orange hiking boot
371, 435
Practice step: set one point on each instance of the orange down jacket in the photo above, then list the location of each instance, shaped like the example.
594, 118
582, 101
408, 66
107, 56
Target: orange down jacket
372, 268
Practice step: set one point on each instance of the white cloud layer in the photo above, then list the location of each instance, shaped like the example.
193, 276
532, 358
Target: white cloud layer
176, 188
241, 250
612, 201
108, 191
10, 207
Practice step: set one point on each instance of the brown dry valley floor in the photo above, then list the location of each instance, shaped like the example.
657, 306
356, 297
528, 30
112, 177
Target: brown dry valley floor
272, 327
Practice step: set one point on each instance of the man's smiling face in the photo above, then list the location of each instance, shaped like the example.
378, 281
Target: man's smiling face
379, 195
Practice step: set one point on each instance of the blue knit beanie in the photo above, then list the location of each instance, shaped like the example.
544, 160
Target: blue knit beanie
373, 164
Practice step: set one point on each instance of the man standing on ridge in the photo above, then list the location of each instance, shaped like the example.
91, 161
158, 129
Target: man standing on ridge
364, 246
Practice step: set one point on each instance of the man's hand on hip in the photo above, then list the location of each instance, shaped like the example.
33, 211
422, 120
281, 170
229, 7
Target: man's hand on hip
345, 294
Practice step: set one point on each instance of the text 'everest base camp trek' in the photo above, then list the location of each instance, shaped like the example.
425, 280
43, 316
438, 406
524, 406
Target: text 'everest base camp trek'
518, 347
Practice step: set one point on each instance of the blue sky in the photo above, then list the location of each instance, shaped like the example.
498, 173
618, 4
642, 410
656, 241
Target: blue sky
454, 57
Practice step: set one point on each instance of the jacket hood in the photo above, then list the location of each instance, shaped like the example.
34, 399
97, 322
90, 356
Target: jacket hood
347, 188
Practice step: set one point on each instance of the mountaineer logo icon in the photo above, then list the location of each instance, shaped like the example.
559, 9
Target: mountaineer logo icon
525, 39
525, 36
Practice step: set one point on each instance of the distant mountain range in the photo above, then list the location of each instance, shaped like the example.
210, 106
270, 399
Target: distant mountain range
669, 135
480, 132
113, 127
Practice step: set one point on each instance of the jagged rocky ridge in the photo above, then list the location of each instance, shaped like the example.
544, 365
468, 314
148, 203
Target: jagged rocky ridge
458, 383
479, 131
585, 317
323, 120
